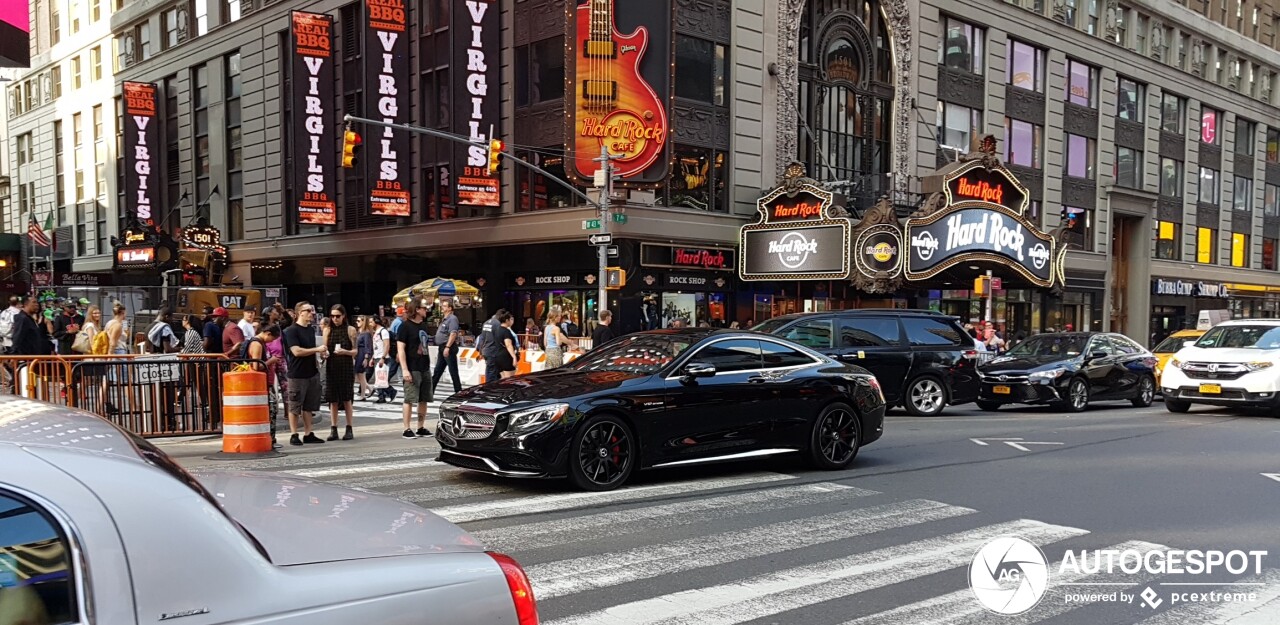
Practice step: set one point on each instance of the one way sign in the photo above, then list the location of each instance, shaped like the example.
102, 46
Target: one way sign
600, 239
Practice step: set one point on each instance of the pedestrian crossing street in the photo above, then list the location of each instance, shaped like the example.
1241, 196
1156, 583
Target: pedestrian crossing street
735, 544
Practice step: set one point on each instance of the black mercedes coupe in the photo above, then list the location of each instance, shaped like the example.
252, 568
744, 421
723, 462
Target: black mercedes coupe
664, 398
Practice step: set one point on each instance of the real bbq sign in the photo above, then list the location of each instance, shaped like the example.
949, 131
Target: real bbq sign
314, 134
140, 138
386, 58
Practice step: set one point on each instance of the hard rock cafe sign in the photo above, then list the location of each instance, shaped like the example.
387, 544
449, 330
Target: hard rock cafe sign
801, 234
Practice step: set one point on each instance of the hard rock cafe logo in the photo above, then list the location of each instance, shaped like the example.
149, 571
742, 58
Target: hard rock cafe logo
698, 258
720, 282
925, 244
981, 190
591, 278
625, 133
1039, 255
882, 252
801, 210
649, 280
520, 281
793, 249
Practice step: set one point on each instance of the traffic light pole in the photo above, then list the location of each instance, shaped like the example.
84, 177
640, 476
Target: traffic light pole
461, 139
604, 182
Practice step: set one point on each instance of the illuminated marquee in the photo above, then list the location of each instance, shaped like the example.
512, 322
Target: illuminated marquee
140, 136
386, 58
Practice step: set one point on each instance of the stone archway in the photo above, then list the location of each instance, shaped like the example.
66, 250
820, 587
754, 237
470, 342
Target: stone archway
900, 34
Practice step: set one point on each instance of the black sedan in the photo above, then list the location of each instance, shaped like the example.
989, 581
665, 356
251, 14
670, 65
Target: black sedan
664, 398
1068, 370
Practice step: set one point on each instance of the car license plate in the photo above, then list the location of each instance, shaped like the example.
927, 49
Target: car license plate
1210, 389
1001, 390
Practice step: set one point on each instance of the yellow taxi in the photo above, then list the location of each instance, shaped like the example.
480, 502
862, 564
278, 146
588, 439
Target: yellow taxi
1170, 346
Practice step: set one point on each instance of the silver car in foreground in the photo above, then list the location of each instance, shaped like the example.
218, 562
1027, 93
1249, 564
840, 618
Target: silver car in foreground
99, 526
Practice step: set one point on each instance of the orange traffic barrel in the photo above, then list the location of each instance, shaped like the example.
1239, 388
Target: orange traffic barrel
246, 424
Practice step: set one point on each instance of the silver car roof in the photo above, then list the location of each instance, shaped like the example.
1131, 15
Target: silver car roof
33, 423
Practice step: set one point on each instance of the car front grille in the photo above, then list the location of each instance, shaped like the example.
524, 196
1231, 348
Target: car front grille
517, 461
1004, 378
1214, 370
467, 426
466, 462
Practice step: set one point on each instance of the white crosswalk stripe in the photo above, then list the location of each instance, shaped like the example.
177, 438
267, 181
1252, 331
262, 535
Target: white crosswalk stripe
961, 608
1264, 609
564, 501
664, 516
772, 593
400, 465
599, 571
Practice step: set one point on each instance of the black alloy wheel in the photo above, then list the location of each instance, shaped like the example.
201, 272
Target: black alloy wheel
925, 397
1173, 405
989, 406
1146, 392
1077, 397
603, 454
834, 442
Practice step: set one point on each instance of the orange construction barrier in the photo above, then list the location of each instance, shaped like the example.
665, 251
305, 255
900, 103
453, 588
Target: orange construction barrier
246, 425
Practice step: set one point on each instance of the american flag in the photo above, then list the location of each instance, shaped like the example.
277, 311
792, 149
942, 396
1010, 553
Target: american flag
37, 234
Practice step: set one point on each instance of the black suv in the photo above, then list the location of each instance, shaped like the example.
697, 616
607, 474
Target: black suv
924, 360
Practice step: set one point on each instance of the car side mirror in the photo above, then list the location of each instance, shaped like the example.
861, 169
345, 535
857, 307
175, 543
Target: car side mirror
696, 370
1188, 343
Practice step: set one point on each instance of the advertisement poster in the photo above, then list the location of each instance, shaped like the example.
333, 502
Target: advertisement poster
620, 89
314, 135
476, 97
386, 71
141, 139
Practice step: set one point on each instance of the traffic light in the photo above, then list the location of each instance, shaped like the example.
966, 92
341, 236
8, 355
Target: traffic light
496, 146
980, 285
351, 148
615, 278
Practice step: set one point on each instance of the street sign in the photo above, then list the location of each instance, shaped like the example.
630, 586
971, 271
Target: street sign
156, 369
619, 218
996, 284
600, 239
330, 272
612, 251
590, 224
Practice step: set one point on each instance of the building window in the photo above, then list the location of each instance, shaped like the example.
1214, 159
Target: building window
231, 10
77, 132
59, 184
701, 179
200, 108
1091, 24
543, 77
1239, 249
1167, 240
1204, 245
1122, 26
1242, 194
75, 17
95, 62
1082, 84
1269, 254
55, 81
1208, 186
26, 149
1172, 118
142, 33
55, 24
95, 10
1128, 171
1025, 68
1170, 177
1271, 201
959, 127
171, 29
1273, 145
97, 123
962, 48
701, 68
1080, 156
1210, 121
1140, 34
1245, 133
202, 17
1022, 143
82, 231
1078, 223
1132, 100
1184, 45
75, 73
1069, 13
235, 157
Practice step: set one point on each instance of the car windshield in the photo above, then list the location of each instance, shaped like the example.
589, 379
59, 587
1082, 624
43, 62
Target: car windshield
642, 354
1050, 345
1248, 337
1172, 344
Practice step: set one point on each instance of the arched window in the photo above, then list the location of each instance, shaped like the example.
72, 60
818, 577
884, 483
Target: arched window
846, 96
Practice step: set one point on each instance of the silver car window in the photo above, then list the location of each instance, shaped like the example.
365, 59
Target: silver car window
37, 579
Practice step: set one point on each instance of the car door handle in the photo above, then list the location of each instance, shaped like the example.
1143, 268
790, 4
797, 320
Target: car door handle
847, 357
759, 379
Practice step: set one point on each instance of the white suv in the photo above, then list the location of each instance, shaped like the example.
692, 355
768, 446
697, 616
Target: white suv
1237, 363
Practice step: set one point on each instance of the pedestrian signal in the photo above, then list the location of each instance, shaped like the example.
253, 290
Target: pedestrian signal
615, 277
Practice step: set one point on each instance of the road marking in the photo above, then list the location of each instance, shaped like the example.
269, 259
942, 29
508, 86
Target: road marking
424, 496
1016, 443
605, 524
566, 577
397, 480
1263, 611
1274, 476
564, 501
367, 468
962, 608
773, 593
315, 459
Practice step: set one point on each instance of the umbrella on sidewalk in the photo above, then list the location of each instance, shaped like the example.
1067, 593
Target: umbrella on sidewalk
433, 288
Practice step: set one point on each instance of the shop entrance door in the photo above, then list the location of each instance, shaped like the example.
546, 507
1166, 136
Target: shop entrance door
1017, 321
1121, 234
1166, 320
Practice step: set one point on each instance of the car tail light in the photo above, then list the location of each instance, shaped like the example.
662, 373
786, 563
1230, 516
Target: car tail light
875, 384
521, 589
970, 354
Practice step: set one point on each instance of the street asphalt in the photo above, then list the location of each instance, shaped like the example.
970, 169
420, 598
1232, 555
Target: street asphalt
888, 541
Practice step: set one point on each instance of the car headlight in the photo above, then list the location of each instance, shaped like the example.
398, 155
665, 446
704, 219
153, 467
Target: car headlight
1175, 363
1258, 365
1051, 374
534, 418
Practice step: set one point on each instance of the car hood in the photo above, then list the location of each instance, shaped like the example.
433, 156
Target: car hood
1026, 363
544, 386
302, 521
1226, 354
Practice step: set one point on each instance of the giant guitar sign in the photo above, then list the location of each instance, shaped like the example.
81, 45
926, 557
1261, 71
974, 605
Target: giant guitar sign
620, 86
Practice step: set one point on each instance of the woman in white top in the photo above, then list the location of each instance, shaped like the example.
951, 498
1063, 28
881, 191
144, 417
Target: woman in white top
116, 331
556, 339
92, 324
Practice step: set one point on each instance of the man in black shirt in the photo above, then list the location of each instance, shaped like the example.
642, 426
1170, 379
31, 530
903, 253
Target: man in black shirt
30, 337
415, 366
299, 342
490, 346
66, 326
603, 332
